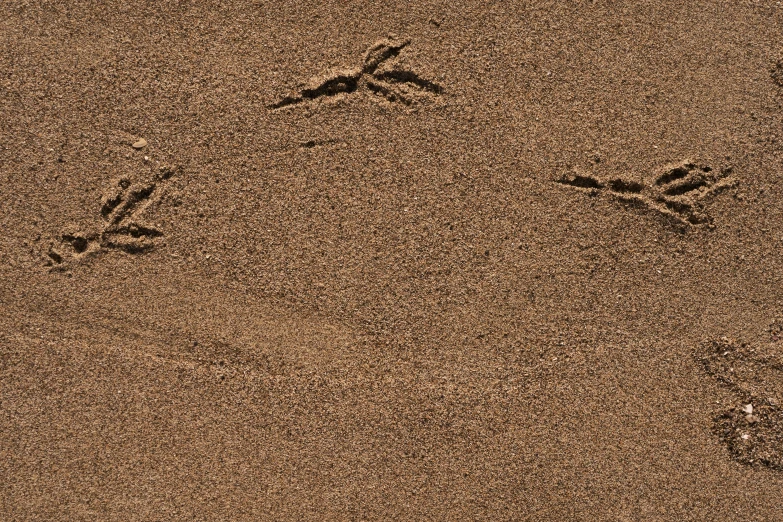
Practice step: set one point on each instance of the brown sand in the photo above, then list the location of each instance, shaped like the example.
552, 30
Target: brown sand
387, 261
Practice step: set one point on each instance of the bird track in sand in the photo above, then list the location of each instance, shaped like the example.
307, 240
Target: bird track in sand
381, 75
121, 209
679, 191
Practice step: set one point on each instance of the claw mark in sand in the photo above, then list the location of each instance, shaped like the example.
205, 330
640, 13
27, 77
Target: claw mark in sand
679, 191
124, 229
381, 75
752, 427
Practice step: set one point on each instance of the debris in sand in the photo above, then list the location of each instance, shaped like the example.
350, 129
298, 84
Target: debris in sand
140, 144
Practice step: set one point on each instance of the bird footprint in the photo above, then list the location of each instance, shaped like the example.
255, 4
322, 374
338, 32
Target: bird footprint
123, 229
381, 74
679, 191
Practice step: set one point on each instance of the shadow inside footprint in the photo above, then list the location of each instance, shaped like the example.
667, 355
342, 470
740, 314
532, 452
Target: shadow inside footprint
582, 181
625, 187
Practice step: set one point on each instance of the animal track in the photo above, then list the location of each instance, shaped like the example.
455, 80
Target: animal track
123, 229
752, 428
381, 75
680, 191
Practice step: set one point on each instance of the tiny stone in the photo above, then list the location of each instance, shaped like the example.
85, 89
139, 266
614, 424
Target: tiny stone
745, 436
140, 144
751, 419
748, 408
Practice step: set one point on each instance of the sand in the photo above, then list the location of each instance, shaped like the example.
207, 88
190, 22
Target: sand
391, 261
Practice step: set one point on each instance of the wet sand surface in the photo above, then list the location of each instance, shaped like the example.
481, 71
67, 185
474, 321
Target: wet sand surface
432, 261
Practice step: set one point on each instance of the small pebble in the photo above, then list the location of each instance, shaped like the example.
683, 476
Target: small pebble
140, 144
748, 408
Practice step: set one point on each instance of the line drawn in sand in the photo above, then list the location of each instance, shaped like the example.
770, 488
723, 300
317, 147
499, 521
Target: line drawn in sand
381, 75
679, 191
752, 428
124, 229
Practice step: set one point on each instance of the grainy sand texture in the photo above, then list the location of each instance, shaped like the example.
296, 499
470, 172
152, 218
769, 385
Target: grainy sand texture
391, 260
